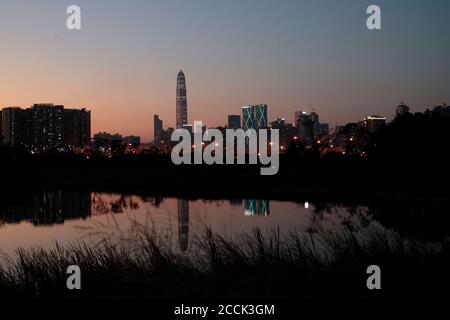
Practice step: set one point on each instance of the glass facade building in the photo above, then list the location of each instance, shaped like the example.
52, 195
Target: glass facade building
254, 117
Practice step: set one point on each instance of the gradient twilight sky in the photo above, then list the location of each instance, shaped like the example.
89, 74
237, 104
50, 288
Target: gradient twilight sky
289, 54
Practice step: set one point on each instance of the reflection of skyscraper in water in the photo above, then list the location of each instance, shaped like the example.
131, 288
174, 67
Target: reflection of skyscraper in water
183, 223
46, 207
258, 207
56, 207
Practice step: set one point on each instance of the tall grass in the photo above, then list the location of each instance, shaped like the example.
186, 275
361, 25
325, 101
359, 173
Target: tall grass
253, 265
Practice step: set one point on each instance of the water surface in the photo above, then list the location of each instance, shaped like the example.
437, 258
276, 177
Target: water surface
43, 218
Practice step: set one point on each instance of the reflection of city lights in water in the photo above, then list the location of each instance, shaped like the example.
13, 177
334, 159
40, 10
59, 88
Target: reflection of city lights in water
256, 207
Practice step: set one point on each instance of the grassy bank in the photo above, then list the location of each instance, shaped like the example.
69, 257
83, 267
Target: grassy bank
329, 264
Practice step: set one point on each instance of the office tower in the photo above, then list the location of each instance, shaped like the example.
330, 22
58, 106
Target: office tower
254, 117
374, 123
283, 129
181, 100
46, 126
260, 116
157, 129
76, 127
248, 117
183, 223
313, 115
234, 121
402, 109
13, 126
307, 124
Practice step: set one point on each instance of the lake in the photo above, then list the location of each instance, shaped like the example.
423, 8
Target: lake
40, 219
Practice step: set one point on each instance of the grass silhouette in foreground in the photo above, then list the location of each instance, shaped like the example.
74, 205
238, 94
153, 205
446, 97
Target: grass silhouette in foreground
256, 267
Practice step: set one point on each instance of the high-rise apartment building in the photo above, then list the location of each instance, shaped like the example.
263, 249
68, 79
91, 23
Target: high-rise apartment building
46, 126
76, 127
13, 126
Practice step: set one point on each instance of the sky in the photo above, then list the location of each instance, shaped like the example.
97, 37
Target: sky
290, 54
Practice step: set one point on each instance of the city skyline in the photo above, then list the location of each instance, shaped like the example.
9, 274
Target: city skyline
242, 158
310, 56
253, 117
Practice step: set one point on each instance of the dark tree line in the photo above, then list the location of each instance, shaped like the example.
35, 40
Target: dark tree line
413, 139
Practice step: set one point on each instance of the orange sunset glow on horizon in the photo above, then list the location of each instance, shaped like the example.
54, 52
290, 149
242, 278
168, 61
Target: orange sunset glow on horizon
122, 64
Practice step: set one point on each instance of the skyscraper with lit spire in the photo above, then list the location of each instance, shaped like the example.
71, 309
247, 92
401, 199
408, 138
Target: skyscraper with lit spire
181, 100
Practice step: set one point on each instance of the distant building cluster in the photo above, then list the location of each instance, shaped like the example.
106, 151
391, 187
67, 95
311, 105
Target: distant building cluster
442, 111
45, 127
306, 127
114, 144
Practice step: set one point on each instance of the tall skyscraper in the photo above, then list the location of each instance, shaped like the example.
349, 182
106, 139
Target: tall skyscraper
157, 129
181, 100
183, 223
